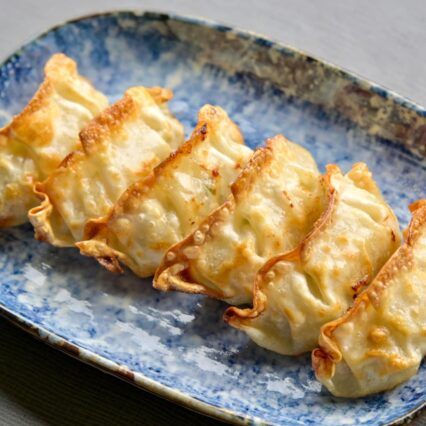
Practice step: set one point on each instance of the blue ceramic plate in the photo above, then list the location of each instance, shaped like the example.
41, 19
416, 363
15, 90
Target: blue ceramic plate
173, 344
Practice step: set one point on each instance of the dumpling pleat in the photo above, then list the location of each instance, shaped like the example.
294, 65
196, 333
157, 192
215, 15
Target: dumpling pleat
43, 134
380, 342
120, 146
295, 293
161, 209
273, 205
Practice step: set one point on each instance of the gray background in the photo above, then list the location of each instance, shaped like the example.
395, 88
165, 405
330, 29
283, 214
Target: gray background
382, 40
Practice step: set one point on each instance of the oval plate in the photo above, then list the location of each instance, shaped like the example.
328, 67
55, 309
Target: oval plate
176, 345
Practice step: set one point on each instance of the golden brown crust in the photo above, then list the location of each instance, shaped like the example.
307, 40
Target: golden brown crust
40, 218
59, 67
91, 136
62, 72
360, 174
418, 211
38, 101
234, 315
111, 264
95, 241
106, 256
111, 119
328, 354
41, 134
40, 212
139, 188
161, 95
95, 226
166, 279
261, 158
34, 136
208, 118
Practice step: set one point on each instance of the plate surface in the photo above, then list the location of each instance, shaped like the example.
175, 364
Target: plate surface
173, 344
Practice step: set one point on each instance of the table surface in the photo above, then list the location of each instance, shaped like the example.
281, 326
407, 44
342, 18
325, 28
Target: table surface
382, 40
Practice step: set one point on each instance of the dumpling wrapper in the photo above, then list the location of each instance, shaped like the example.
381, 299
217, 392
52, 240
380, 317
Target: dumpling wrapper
159, 211
273, 205
34, 143
380, 342
120, 146
297, 292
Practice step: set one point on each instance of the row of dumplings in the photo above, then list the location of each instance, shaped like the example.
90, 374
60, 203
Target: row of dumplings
317, 256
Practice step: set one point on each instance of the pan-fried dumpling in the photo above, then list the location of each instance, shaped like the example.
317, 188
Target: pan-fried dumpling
380, 342
37, 139
120, 146
297, 292
160, 210
273, 205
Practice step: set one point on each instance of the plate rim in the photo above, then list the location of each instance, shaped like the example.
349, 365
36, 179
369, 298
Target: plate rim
138, 380
104, 364
175, 396
363, 82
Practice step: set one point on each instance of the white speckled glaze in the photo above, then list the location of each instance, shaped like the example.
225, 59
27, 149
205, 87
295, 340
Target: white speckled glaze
174, 344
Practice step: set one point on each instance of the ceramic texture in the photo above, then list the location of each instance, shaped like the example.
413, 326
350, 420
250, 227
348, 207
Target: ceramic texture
174, 344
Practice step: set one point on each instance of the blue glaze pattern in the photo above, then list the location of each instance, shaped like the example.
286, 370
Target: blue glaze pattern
175, 344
